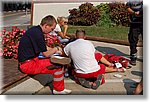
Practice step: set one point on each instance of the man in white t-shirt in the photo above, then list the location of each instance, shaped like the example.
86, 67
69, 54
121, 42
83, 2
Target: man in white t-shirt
85, 62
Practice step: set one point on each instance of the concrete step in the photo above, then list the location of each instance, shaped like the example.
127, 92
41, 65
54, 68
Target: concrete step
28, 87
111, 87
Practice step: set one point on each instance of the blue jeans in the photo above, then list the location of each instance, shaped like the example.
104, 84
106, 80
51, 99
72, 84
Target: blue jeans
63, 40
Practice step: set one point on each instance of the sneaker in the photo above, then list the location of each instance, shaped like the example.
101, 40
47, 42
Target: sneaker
64, 92
132, 62
60, 60
133, 58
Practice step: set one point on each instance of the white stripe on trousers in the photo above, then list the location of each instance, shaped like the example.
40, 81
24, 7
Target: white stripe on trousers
59, 73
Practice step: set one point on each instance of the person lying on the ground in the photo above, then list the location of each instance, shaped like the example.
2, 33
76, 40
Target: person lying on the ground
85, 61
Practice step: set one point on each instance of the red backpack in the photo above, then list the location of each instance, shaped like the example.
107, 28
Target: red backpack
114, 59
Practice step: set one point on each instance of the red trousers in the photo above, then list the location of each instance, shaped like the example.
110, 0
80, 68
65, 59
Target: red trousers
38, 66
98, 56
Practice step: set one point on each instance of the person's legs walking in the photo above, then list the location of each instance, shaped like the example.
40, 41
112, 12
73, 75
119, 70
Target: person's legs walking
133, 40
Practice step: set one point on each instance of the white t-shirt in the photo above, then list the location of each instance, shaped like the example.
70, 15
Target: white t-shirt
56, 30
82, 52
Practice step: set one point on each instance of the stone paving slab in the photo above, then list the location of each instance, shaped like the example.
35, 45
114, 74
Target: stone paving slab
27, 87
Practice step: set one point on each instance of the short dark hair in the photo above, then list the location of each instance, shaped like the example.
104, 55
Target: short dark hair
80, 33
49, 20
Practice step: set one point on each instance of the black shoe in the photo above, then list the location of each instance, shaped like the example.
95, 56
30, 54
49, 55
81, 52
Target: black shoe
132, 62
133, 58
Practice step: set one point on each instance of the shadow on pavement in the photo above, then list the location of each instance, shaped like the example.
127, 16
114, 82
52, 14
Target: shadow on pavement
110, 50
138, 73
129, 85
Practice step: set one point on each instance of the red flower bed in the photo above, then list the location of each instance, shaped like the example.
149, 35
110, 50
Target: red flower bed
52, 40
10, 41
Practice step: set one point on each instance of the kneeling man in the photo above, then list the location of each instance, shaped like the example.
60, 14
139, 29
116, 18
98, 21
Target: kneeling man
87, 70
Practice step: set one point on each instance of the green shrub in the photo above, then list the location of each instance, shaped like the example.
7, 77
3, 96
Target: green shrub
103, 7
86, 15
104, 20
104, 15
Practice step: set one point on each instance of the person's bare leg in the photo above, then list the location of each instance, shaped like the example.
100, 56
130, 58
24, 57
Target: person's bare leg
110, 69
139, 88
107, 70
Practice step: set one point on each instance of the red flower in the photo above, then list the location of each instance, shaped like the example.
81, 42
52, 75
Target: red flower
23, 31
10, 42
0, 34
4, 30
52, 40
14, 27
14, 33
17, 30
1, 52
